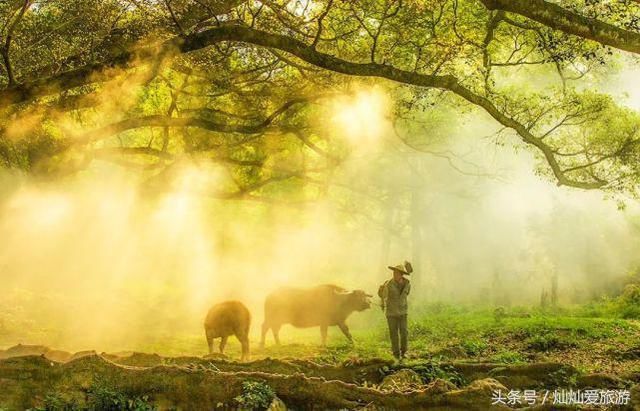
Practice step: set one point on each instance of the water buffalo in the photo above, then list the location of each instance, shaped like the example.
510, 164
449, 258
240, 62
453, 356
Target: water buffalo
319, 306
225, 319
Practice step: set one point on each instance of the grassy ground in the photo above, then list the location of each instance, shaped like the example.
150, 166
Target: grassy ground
443, 333
439, 335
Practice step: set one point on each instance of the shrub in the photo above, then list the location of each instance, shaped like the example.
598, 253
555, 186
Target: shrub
101, 397
628, 304
631, 294
432, 371
55, 402
548, 342
474, 347
256, 395
564, 377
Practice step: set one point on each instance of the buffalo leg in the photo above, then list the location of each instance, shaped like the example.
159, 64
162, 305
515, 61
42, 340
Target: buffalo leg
210, 342
276, 333
323, 334
244, 341
223, 343
345, 331
265, 328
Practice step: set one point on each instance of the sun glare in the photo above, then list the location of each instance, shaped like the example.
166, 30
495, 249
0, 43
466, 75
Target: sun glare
362, 117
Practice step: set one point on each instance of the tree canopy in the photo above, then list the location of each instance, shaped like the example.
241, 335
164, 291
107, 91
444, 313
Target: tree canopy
244, 85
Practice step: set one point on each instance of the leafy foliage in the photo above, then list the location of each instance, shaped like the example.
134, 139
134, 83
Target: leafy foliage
432, 371
55, 402
104, 398
548, 342
627, 305
564, 377
474, 347
109, 92
256, 395
508, 357
100, 396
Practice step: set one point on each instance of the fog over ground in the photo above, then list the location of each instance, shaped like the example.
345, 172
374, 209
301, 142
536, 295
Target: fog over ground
94, 262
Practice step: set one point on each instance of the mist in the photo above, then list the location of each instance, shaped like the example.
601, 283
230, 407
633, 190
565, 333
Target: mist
99, 261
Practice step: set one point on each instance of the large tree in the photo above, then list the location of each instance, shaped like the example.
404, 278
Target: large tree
148, 84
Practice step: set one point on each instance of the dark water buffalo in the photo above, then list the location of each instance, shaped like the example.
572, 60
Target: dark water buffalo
225, 319
319, 306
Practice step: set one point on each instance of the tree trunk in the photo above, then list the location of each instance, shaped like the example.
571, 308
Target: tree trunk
417, 239
385, 245
554, 288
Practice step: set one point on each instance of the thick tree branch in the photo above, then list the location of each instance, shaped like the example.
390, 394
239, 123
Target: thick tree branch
117, 152
559, 18
308, 54
164, 121
167, 121
5, 47
98, 72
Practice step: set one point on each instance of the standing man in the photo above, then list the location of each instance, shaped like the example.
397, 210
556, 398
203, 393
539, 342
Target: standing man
394, 294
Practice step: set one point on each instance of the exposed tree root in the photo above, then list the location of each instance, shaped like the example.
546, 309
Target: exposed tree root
29, 373
27, 380
355, 371
536, 375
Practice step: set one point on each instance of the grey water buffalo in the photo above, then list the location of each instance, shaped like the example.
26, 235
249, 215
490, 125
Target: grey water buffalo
225, 319
321, 306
